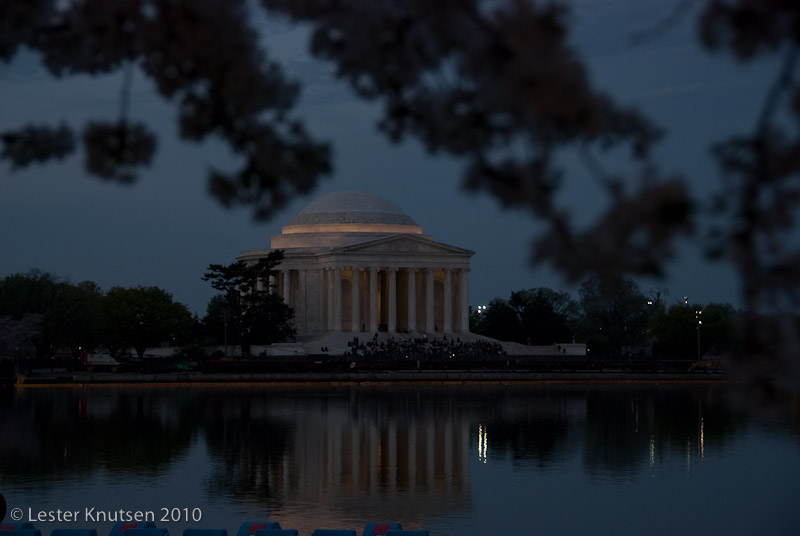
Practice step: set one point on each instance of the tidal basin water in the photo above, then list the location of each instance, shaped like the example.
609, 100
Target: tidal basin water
457, 460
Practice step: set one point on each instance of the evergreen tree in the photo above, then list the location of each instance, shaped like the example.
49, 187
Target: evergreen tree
255, 313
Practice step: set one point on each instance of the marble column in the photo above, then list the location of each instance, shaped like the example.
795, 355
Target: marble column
337, 299
355, 325
317, 282
301, 314
373, 299
464, 301
429, 309
328, 278
272, 283
287, 287
391, 273
412, 301
448, 301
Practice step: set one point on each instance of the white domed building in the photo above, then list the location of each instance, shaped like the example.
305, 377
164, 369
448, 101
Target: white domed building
355, 262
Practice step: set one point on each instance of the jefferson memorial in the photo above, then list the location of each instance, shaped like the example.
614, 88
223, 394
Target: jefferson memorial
355, 262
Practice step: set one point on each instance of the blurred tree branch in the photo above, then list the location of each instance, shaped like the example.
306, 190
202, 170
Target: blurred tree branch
493, 84
203, 56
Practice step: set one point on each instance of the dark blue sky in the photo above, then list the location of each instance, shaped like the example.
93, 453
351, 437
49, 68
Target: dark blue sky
166, 229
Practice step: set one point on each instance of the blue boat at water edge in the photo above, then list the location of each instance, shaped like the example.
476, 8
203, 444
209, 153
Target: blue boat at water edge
253, 528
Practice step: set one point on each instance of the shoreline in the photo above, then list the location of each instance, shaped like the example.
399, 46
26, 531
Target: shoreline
358, 378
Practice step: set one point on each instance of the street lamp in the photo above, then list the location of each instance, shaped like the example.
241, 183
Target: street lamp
698, 316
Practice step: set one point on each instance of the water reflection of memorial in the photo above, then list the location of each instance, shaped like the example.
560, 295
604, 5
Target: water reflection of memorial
343, 451
356, 452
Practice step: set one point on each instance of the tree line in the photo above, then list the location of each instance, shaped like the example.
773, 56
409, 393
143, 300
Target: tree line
43, 315
614, 317
499, 86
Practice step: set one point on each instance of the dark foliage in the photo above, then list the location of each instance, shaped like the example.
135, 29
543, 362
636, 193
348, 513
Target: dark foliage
143, 317
227, 88
252, 310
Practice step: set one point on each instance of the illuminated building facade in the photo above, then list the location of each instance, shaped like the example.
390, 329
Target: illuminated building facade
355, 262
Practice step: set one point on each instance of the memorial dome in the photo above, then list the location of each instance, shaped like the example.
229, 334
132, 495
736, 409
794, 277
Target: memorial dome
354, 261
351, 211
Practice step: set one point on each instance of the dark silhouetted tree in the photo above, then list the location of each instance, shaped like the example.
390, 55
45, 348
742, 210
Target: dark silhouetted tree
67, 313
500, 321
614, 316
143, 317
680, 328
545, 315
252, 310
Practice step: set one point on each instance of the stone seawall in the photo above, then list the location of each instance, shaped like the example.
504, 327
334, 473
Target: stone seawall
358, 378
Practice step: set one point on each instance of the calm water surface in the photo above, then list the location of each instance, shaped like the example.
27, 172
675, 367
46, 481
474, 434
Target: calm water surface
456, 460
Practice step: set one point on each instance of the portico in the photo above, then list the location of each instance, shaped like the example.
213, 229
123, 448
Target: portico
354, 262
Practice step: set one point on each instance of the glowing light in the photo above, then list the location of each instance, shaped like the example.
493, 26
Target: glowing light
483, 443
702, 438
688, 456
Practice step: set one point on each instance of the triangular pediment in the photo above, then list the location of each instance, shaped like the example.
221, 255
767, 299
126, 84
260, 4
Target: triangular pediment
405, 243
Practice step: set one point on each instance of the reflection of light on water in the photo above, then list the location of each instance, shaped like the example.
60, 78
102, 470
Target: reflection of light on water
482, 443
688, 456
702, 439
652, 451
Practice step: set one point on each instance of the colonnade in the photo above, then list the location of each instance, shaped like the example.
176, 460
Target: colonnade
358, 299
424, 460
